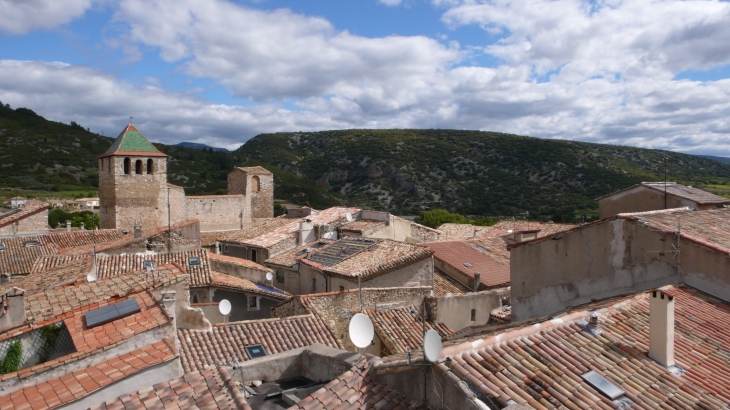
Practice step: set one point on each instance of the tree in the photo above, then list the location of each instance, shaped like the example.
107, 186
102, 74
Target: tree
437, 217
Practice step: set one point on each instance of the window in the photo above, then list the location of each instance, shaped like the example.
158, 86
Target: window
254, 351
127, 165
194, 261
254, 255
150, 166
138, 166
473, 315
195, 298
342, 288
255, 184
253, 303
314, 285
280, 276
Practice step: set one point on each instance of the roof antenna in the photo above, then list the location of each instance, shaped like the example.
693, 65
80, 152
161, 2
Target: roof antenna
130, 120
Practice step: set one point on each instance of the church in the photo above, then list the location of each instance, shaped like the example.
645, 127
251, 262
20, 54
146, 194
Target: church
134, 192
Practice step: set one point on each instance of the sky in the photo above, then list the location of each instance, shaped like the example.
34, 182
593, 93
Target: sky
652, 74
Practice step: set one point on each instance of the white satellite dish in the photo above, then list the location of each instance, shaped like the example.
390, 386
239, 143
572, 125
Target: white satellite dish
348, 216
269, 276
432, 346
361, 330
91, 277
224, 306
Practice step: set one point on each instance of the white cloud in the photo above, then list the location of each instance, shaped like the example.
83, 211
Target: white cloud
23, 16
391, 3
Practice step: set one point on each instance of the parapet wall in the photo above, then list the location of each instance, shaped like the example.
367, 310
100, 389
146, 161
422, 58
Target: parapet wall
218, 212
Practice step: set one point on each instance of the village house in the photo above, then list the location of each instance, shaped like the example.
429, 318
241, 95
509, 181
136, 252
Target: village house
88, 202
653, 196
625, 253
17, 201
27, 219
470, 266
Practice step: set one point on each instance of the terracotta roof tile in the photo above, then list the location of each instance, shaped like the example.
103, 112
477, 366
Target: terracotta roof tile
114, 265
30, 209
368, 256
62, 391
240, 236
355, 389
401, 330
238, 261
223, 280
226, 342
291, 258
443, 284
20, 253
693, 194
362, 225
541, 365
469, 260
75, 239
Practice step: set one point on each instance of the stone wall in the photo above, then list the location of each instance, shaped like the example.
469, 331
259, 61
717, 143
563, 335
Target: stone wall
639, 199
257, 185
455, 310
218, 212
178, 205
36, 223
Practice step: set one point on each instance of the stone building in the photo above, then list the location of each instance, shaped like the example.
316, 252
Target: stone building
653, 196
133, 190
31, 218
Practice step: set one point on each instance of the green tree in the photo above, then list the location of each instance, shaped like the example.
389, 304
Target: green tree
11, 361
437, 217
483, 221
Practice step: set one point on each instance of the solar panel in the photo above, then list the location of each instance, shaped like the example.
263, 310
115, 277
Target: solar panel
339, 251
269, 288
11, 213
194, 261
112, 312
603, 385
255, 351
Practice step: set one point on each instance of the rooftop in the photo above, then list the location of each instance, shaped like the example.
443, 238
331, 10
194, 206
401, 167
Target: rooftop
443, 284
223, 280
468, 260
226, 342
115, 265
400, 330
132, 142
21, 213
211, 388
256, 170
370, 257
251, 232
291, 258
541, 365
362, 225
683, 191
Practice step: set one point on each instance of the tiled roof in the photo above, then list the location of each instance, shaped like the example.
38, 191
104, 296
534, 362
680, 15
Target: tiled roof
355, 389
454, 232
80, 383
382, 256
290, 258
495, 248
75, 239
89, 341
443, 284
211, 388
328, 216
506, 227
16, 215
48, 262
223, 280
132, 142
226, 342
362, 225
113, 265
209, 238
540, 366
401, 330
458, 254
238, 261
256, 170
38, 282
18, 257
251, 232
693, 194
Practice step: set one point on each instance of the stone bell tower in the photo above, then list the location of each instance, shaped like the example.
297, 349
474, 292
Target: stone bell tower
132, 183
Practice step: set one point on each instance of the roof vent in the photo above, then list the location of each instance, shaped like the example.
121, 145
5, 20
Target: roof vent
31, 244
148, 264
194, 261
467, 264
111, 313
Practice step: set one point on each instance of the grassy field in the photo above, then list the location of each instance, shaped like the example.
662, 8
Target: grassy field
718, 189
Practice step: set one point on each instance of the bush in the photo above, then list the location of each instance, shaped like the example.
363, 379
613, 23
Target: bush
11, 361
437, 217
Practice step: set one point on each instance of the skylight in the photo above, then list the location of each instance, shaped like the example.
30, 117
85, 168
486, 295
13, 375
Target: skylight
2, 246
31, 244
603, 385
255, 351
148, 264
194, 261
111, 313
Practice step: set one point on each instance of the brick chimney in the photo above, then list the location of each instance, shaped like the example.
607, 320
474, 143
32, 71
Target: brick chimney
477, 280
661, 328
137, 229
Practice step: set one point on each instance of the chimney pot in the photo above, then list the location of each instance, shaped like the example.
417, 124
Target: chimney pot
68, 226
661, 328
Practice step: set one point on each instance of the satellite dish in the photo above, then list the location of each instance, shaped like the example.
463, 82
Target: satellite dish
91, 277
269, 276
224, 306
361, 330
432, 346
348, 216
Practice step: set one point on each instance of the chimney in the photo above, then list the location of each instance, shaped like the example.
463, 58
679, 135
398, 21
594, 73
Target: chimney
661, 328
169, 299
306, 232
81, 226
68, 226
477, 280
12, 308
137, 229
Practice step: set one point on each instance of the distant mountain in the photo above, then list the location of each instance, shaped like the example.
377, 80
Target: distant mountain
195, 145
724, 160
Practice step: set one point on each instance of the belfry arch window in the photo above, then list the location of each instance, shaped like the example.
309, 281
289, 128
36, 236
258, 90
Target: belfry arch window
127, 165
255, 184
150, 166
138, 166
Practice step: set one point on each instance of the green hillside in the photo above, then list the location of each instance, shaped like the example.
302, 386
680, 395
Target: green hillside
402, 171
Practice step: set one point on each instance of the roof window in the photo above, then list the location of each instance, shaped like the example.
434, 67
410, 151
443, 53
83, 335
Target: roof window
148, 264
194, 261
31, 244
111, 313
255, 351
2, 246
603, 385
467, 264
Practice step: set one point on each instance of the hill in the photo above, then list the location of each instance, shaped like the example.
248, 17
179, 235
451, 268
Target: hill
724, 160
195, 145
47, 159
402, 171
472, 172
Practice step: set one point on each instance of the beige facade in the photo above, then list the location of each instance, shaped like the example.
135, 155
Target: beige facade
651, 197
472, 309
257, 184
35, 223
608, 258
218, 212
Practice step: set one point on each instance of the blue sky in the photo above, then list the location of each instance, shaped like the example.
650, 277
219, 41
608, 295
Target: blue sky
651, 74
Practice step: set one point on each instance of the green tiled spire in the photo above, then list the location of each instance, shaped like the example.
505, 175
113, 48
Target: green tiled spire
131, 141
